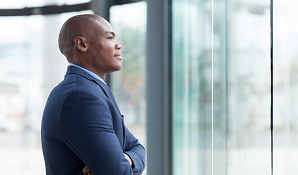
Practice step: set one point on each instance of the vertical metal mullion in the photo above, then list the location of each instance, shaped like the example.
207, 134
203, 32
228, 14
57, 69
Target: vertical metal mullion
158, 88
271, 69
226, 83
168, 87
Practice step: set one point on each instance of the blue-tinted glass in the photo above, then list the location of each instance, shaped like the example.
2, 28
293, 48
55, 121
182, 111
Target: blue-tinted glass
221, 75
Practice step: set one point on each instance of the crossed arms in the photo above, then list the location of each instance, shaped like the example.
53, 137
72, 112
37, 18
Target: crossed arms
89, 131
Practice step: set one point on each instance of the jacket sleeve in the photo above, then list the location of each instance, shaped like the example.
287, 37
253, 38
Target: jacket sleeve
135, 151
87, 129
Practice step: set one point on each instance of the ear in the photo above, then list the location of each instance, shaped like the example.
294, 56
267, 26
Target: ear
81, 43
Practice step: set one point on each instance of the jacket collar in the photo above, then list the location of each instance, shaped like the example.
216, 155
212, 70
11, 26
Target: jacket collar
78, 71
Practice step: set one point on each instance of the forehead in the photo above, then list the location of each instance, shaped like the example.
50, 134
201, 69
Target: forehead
104, 26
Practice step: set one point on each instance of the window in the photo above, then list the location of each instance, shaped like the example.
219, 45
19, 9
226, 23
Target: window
221, 76
30, 66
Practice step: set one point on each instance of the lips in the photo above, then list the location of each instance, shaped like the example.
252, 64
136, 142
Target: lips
118, 56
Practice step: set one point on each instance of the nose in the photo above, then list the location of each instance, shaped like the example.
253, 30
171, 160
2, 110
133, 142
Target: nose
118, 46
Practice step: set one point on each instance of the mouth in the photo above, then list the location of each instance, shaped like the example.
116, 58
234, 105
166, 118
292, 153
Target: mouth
119, 57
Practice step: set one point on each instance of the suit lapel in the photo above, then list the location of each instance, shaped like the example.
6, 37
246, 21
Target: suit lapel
110, 95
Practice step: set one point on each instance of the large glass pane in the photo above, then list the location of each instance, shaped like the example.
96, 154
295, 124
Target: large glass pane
128, 84
221, 87
248, 83
285, 87
192, 122
30, 66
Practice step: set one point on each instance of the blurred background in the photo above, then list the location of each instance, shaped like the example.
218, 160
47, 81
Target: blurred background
194, 87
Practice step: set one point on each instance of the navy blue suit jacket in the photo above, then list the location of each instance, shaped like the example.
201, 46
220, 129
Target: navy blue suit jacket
82, 125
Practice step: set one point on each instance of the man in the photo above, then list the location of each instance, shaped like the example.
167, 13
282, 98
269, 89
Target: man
82, 126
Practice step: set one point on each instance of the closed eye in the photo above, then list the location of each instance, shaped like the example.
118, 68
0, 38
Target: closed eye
111, 35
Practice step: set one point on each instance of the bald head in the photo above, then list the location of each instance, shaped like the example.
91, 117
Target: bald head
76, 26
89, 41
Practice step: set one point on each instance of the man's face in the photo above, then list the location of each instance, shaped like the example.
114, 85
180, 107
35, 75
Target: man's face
103, 49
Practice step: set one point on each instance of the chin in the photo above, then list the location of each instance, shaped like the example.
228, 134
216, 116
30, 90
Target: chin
117, 68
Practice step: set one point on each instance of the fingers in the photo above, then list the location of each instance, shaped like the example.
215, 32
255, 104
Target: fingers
86, 171
128, 158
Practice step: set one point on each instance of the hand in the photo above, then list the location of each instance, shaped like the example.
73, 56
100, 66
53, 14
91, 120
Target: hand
128, 158
87, 171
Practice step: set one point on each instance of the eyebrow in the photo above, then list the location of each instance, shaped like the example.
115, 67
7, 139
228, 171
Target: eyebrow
112, 33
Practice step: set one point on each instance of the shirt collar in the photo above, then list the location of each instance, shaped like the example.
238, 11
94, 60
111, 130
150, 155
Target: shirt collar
89, 72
